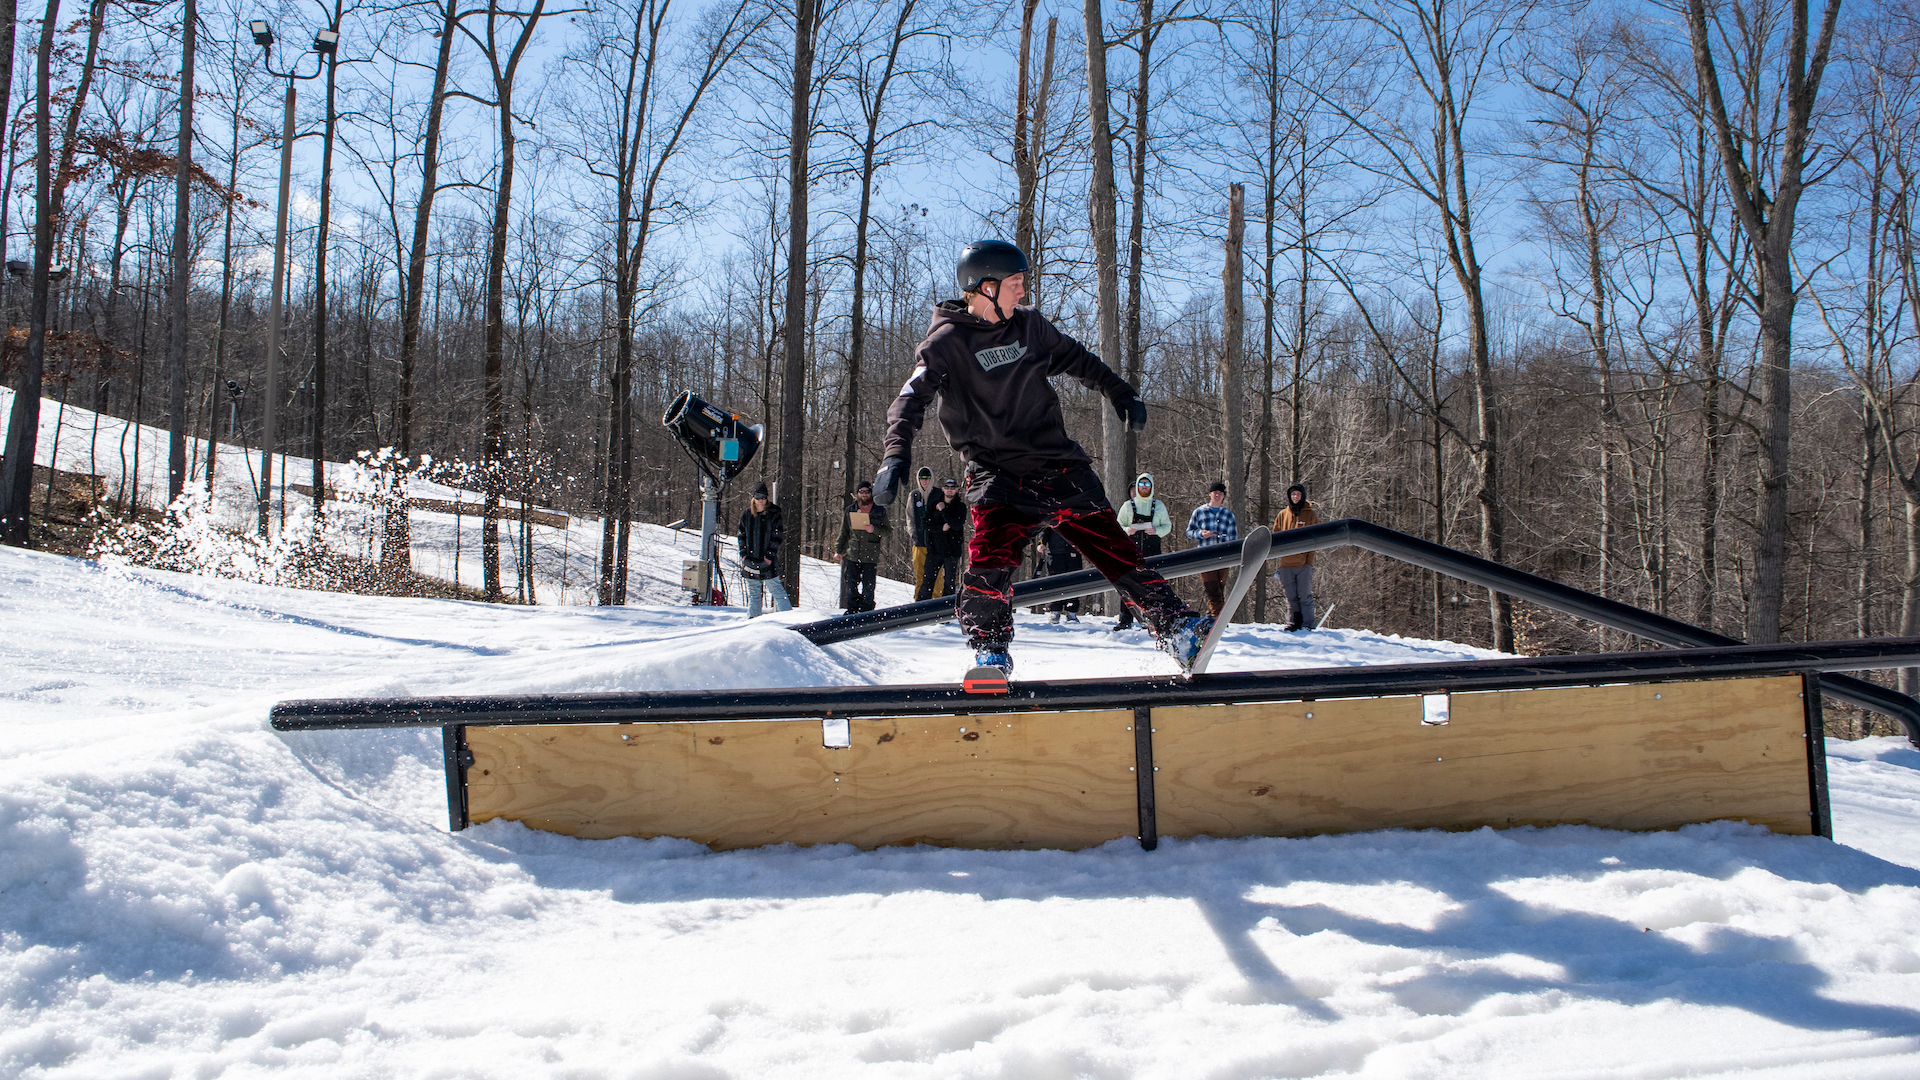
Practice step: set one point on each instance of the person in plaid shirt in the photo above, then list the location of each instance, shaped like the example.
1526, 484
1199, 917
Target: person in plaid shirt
1214, 524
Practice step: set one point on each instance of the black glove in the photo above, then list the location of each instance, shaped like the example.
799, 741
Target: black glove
1132, 411
886, 482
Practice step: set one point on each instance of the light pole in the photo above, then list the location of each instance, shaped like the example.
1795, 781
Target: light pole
324, 44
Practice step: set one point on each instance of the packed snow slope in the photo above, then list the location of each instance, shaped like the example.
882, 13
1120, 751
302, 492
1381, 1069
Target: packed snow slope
186, 893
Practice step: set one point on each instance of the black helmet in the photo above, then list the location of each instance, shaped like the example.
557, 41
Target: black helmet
989, 260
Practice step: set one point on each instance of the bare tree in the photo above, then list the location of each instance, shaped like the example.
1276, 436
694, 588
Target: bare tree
1582, 103
872, 78
503, 40
636, 143
1442, 54
1102, 218
182, 264
793, 381
1766, 138
49, 200
396, 548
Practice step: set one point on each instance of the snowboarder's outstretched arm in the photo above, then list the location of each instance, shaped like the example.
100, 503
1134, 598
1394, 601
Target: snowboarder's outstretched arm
1066, 356
904, 417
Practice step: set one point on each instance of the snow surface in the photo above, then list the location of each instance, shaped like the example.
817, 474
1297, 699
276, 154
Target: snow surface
186, 893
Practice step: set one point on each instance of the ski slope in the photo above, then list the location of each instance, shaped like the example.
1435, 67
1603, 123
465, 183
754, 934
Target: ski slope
132, 461
186, 893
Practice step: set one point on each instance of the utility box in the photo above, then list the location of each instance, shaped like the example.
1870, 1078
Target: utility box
693, 577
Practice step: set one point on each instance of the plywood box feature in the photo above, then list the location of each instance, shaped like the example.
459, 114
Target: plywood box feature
1649, 756
1026, 780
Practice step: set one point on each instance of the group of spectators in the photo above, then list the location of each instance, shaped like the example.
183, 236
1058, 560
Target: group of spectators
939, 521
1145, 519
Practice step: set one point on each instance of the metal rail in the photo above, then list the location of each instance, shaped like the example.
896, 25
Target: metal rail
1356, 532
1663, 665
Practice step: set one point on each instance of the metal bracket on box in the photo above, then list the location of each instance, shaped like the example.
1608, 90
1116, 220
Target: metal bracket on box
1143, 776
1822, 809
453, 742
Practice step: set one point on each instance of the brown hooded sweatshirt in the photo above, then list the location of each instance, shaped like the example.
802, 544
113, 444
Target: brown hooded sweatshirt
1289, 519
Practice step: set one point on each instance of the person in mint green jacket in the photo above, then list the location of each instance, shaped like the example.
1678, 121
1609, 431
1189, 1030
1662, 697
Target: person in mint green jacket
1144, 519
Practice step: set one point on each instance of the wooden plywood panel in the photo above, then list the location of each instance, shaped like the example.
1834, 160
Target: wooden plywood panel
1623, 757
1028, 780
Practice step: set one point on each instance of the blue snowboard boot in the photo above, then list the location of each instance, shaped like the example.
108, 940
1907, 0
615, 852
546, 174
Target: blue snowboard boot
1185, 637
991, 657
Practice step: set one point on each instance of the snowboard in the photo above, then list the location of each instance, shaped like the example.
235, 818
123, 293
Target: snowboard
985, 679
1253, 555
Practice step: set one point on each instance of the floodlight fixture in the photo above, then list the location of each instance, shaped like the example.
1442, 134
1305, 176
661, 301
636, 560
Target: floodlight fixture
326, 41
716, 440
262, 33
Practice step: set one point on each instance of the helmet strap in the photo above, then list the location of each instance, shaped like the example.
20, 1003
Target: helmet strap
995, 297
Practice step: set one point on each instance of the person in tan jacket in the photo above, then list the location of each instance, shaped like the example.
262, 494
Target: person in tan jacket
1296, 571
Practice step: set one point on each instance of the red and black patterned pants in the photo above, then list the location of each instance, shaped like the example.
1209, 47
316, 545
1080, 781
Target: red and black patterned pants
1070, 500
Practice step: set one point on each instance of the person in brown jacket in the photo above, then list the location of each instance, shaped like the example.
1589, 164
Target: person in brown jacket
1296, 571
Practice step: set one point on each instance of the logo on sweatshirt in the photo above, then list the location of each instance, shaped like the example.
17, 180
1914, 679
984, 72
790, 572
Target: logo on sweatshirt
999, 357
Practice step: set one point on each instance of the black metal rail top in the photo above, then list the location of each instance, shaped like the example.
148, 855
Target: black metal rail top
1366, 535
1661, 665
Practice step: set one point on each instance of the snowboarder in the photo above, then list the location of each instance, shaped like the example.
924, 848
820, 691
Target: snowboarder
1146, 520
759, 538
987, 361
1296, 571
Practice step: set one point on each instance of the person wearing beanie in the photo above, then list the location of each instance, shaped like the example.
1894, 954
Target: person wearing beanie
1146, 522
917, 499
987, 365
858, 549
1208, 525
758, 538
1296, 571
946, 524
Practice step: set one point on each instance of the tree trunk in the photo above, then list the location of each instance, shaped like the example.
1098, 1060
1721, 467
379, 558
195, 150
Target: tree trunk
493, 375
1136, 230
23, 422
1768, 225
1025, 175
1269, 285
1100, 209
400, 530
857, 330
319, 396
50, 187
1233, 401
793, 376
8, 20
226, 298
182, 268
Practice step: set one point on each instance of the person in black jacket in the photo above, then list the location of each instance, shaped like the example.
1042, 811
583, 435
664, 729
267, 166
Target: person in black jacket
922, 492
987, 362
946, 525
759, 541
